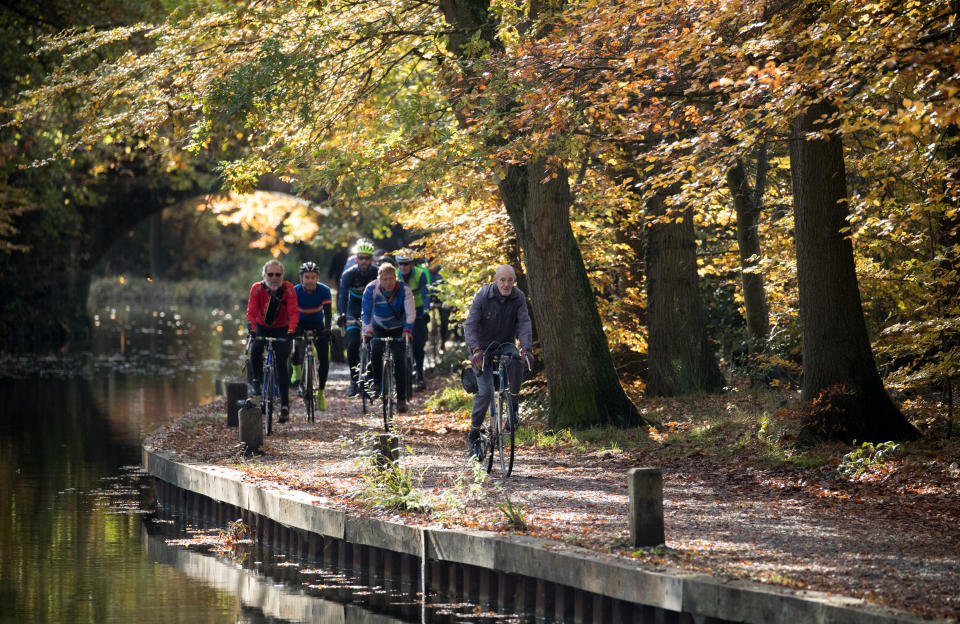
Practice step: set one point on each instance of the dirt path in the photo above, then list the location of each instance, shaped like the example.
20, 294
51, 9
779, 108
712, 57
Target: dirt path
895, 542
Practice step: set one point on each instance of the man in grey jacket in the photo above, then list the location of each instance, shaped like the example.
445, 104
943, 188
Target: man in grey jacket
497, 318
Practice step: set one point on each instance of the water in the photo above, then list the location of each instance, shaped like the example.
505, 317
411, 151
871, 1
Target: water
79, 537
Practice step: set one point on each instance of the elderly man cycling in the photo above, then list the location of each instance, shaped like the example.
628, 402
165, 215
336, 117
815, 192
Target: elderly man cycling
498, 315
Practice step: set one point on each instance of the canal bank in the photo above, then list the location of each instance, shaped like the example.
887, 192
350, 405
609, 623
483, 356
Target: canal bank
526, 574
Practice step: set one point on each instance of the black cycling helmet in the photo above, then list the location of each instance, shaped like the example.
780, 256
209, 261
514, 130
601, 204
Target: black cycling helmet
309, 267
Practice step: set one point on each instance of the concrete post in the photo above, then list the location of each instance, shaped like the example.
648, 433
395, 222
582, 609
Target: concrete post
646, 507
236, 393
251, 427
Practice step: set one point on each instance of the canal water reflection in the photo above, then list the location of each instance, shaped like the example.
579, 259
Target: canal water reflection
79, 536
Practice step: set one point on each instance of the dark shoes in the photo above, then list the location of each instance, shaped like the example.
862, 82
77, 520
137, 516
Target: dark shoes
284, 415
401, 407
353, 391
476, 450
421, 385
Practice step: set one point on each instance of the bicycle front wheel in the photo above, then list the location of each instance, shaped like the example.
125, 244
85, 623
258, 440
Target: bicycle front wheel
309, 396
268, 392
386, 394
505, 437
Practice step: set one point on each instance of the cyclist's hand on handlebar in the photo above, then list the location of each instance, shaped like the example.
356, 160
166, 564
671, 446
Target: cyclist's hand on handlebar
342, 320
477, 358
408, 335
527, 358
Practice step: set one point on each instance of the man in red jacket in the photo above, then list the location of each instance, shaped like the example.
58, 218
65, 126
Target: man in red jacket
272, 312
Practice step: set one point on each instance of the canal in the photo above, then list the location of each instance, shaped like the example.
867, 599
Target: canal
81, 537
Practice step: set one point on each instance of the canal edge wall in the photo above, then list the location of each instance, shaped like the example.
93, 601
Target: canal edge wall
706, 598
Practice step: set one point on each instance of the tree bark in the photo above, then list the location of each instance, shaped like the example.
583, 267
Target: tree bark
748, 205
680, 358
841, 385
583, 384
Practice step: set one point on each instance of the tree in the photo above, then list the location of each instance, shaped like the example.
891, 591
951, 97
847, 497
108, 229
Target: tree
840, 379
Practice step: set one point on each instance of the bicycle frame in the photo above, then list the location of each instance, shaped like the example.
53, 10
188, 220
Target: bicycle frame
497, 437
270, 387
386, 378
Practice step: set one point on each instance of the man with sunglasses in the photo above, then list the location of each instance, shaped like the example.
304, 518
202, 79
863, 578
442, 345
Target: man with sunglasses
272, 312
349, 304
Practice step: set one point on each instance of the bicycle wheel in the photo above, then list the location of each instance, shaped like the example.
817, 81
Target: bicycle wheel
488, 436
386, 394
362, 379
505, 438
268, 394
411, 370
309, 398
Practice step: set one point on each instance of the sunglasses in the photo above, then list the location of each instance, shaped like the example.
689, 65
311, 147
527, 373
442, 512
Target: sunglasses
274, 274
364, 257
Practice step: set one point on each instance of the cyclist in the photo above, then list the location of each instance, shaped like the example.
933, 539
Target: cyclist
314, 300
498, 315
418, 279
272, 312
388, 312
352, 260
349, 298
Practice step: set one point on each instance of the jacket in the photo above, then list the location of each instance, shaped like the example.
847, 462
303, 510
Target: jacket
495, 318
352, 283
287, 315
393, 313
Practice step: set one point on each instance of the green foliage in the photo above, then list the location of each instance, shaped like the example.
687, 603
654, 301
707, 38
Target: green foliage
866, 457
452, 398
512, 513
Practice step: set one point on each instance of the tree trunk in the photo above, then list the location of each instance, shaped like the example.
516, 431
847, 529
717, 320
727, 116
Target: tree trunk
584, 388
846, 397
156, 242
680, 358
747, 205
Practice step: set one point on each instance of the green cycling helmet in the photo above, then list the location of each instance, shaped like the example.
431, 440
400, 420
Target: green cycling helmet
364, 246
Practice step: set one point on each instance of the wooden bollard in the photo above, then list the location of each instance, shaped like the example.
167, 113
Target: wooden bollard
386, 449
251, 427
646, 507
236, 393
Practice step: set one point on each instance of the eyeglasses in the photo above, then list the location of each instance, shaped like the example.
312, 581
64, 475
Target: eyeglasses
274, 274
364, 257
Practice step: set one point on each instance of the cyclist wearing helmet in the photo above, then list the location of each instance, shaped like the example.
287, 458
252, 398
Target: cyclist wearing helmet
349, 298
314, 300
352, 260
418, 279
272, 312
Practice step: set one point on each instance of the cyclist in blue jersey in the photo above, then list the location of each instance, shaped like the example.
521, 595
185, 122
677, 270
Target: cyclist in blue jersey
388, 312
349, 298
314, 301
418, 279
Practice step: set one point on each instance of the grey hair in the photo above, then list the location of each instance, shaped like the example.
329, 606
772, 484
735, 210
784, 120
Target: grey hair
504, 268
271, 262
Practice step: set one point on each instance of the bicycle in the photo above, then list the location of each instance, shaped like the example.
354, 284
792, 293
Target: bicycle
310, 376
495, 436
362, 376
270, 388
387, 398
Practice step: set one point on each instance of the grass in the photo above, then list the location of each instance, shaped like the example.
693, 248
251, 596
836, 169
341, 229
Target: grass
452, 398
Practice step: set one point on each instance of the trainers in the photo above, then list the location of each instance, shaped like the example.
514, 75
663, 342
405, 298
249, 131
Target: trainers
299, 390
255, 389
284, 415
353, 391
321, 401
401, 407
295, 377
421, 385
375, 391
476, 450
